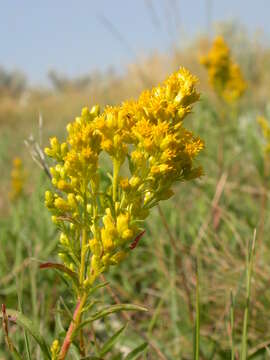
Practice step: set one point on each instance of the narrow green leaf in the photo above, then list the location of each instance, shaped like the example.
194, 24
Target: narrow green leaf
110, 310
62, 268
69, 313
111, 341
134, 354
28, 325
97, 287
155, 316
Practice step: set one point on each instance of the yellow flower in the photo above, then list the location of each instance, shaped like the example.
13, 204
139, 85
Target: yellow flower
265, 127
106, 215
55, 348
224, 74
18, 177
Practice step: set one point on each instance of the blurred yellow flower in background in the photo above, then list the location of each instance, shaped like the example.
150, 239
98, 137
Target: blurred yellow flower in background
225, 75
18, 177
265, 127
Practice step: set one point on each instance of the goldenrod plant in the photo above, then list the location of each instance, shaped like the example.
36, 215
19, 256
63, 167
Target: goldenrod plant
102, 223
228, 83
224, 74
101, 216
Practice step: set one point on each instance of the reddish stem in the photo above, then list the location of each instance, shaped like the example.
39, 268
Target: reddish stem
74, 323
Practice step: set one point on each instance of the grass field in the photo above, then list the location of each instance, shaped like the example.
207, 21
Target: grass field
192, 267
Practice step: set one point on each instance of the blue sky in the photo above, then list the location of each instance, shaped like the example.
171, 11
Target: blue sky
71, 36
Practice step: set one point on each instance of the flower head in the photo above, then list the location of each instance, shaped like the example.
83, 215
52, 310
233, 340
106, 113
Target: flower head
224, 74
148, 136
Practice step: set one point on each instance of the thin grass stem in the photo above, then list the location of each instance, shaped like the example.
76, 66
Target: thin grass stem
249, 270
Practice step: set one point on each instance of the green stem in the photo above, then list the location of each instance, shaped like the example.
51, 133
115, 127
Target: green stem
83, 255
95, 212
72, 327
197, 324
116, 168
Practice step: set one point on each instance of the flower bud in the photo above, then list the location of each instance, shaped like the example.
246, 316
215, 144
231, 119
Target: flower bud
118, 257
95, 110
72, 200
69, 127
63, 239
85, 111
134, 181
95, 247
64, 149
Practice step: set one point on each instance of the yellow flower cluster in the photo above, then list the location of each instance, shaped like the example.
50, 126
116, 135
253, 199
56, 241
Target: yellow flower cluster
224, 74
264, 124
17, 179
55, 348
149, 151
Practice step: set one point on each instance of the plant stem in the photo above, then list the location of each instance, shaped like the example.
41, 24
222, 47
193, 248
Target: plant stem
83, 254
116, 168
232, 326
72, 327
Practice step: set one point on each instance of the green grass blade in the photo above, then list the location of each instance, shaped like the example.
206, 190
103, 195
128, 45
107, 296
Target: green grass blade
196, 346
111, 341
232, 326
134, 354
110, 310
249, 269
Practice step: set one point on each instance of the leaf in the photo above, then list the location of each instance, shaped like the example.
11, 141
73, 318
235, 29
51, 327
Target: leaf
136, 352
62, 268
97, 287
28, 325
69, 313
110, 310
111, 341
130, 164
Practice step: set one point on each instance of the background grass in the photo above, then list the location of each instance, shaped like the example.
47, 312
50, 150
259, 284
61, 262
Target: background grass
207, 225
